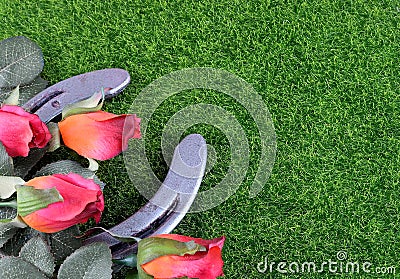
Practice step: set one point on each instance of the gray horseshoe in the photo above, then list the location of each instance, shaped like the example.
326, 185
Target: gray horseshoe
178, 190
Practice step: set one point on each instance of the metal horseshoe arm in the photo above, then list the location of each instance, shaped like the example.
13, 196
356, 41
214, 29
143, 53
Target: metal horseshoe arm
50, 102
170, 203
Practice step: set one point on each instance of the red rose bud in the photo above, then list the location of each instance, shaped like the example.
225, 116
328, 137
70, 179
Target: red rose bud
20, 131
82, 199
99, 135
175, 256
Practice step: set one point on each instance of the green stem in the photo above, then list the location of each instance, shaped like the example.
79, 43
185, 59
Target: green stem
12, 203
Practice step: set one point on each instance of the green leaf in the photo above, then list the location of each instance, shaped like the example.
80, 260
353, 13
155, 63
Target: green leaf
6, 162
88, 262
16, 268
22, 165
88, 105
31, 199
27, 91
21, 61
7, 231
8, 213
13, 98
55, 141
37, 252
14, 245
64, 243
8, 184
16, 222
66, 167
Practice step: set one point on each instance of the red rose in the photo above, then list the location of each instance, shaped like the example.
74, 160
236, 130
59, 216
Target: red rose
20, 131
99, 135
164, 259
82, 200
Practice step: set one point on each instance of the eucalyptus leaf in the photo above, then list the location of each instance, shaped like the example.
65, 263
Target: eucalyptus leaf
6, 162
64, 243
21, 61
88, 262
16, 222
22, 165
14, 245
13, 98
27, 91
37, 252
17, 268
68, 166
7, 231
8, 213
55, 141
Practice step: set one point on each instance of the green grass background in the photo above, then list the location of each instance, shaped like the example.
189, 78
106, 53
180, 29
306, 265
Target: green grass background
327, 70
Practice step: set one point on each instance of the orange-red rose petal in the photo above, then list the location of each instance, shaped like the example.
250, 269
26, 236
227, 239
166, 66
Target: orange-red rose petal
83, 199
20, 131
99, 135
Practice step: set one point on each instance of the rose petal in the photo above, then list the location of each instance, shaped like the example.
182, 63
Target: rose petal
98, 135
21, 130
83, 199
15, 140
207, 267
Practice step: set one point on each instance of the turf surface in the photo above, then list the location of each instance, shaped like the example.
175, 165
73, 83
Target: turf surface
327, 70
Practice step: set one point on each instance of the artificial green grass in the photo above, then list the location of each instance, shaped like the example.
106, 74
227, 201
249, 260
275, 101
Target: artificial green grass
327, 70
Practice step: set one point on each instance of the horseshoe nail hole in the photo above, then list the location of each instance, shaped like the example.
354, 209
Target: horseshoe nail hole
55, 104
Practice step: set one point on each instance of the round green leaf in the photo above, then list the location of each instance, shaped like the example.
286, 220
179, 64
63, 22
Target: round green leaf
7, 231
37, 252
64, 243
16, 268
6, 162
15, 244
26, 92
88, 262
21, 61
